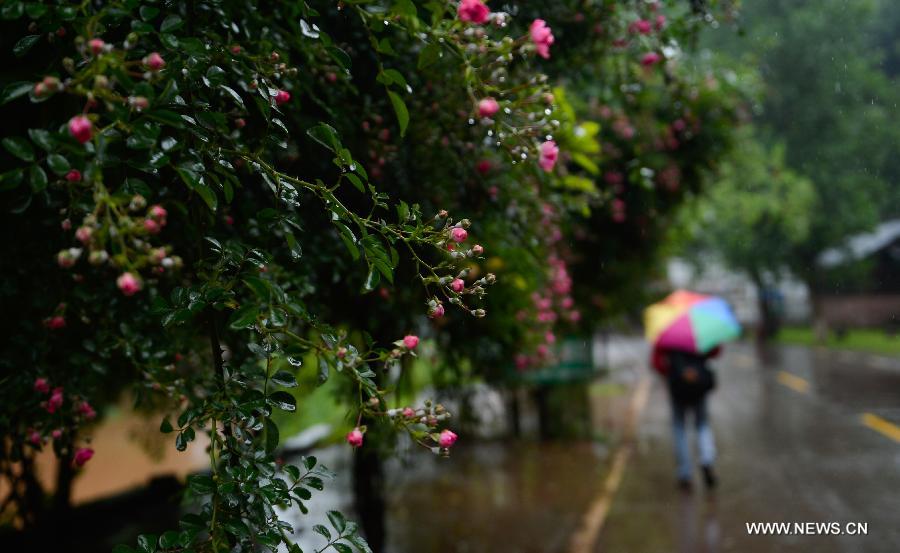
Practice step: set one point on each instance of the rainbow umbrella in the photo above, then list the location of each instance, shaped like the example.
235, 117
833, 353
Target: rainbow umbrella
687, 321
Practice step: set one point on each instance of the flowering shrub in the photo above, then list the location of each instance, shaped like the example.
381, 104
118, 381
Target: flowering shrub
183, 177
207, 195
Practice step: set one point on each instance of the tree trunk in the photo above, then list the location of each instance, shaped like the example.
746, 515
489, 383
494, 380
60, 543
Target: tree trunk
368, 490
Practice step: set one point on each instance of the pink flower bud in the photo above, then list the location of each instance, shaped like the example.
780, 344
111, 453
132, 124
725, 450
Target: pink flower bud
128, 284
82, 456
483, 166
437, 312
408, 412
85, 409
83, 234
240, 123
35, 437
458, 234
487, 107
57, 434
66, 224
548, 155
80, 128
457, 285
282, 96
447, 439
477, 249
355, 438
158, 213
151, 226
660, 22
641, 26
41, 385
236, 49
74, 175
410, 341
542, 37
154, 61
139, 103
55, 323
473, 11
96, 46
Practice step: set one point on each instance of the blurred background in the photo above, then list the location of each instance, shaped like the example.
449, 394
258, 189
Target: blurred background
797, 226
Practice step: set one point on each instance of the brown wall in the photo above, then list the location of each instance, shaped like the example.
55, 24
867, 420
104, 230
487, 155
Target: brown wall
860, 310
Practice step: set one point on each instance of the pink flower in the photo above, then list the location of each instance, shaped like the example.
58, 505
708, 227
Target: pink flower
447, 439
437, 312
96, 45
457, 285
410, 341
128, 284
355, 438
83, 455
55, 323
542, 37
154, 61
642, 26
408, 412
57, 434
55, 401
487, 107
151, 226
574, 316
650, 58
41, 385
477, 250
282, 96
549, 337
473, 11
240, 122
548, 156
35, 437
73, 176
80, 128
458, 234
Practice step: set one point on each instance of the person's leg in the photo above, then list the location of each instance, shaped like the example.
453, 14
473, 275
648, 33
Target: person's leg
682, 446
706, 442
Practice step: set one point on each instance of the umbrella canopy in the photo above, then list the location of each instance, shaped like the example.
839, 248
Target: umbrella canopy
687, 321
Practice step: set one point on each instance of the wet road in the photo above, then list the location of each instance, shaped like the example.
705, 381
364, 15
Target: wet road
804, 436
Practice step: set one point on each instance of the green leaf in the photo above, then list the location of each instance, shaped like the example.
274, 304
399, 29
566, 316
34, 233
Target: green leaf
372, 280
428, 56
284, 378
165, 426
215, 75
58, 164
319, 529
283, 400
360, 543
147, 542
167, 117
400, 110
338, 522
37, 177
271, 432
339, 56
323, 370
342, 547
325, 135
11, 179
122, 549
15, 90
24, 45
170, 23
244, 317
42, 138
201, 484
19, 147
234, 95
169, 539
356, 181
404, 7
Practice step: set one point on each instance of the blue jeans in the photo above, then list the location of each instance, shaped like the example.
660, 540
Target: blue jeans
705, 441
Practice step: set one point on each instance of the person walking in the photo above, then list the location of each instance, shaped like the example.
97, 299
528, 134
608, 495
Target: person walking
689, 380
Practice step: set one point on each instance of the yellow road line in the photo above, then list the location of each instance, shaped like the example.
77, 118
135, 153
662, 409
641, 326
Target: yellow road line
585, 539
881, 426
793, 382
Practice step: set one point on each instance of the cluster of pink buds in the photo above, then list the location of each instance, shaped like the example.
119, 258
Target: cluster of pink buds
46, 87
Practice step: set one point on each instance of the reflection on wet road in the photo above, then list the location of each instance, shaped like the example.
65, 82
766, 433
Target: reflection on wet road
793, 447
